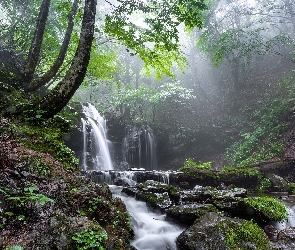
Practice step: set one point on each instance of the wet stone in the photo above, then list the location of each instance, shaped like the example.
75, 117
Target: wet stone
188, 213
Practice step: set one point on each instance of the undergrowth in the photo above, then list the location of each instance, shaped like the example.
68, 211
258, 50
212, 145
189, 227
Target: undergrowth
261, 140
46, 137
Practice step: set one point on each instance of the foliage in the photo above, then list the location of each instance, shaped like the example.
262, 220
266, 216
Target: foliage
47, 137
247, 171
37, 166
292, 186
92, 238
102, 64
14, 202
264, 132
67, 156
198, 169
240, 44
93, 204
15, 248
265, 183
269, 206
155, 43
29, 195
190, 163
144, 102
247, 232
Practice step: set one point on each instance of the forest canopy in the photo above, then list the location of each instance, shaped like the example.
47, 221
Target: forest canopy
46, 46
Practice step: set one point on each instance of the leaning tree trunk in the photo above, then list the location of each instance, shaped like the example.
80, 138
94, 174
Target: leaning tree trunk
34, 53
58, 98
37, 83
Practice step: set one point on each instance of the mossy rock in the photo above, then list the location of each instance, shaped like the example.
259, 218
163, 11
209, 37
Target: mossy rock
187, 214
214, 231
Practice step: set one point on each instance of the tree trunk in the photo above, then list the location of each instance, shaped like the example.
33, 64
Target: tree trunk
58, 98
34, 54
35, 84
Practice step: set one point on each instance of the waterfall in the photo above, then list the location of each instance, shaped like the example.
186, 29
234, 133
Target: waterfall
84, 144
139, 148
96, 148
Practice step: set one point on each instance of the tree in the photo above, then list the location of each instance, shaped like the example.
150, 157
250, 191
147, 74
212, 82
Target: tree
157, 44
239, 34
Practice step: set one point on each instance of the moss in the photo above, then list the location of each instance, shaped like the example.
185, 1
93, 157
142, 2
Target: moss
47, 138
159, 186
238, 236
292, 186
264, 184
189, 213
151, 197
92, 238
269, 207
246, 171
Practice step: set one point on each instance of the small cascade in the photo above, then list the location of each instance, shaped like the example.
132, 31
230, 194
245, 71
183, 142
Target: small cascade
151, 229
96, 151
290, 222
131, 178
139, 148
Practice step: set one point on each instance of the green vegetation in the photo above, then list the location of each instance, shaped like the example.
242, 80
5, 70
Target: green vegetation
46, 138
236, 235
36, 166
269, 206
29, 194
15, 248
261, 141
194, 169
292, 186
197, 165
264, 184
246, 171
92, 238
93, 204
14, 203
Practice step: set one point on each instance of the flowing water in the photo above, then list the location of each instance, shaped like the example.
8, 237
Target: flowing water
152, 231
139, 147
128, 177
290, 222
96, 148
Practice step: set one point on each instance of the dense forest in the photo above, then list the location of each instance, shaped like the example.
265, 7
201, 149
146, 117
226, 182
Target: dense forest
213, 79
214, 82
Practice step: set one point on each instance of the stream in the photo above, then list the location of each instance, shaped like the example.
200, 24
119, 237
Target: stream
151, 229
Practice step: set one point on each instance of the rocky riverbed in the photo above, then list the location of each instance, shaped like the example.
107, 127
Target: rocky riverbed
218, 218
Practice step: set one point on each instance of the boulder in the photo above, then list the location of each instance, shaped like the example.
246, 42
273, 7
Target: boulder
214, 231
187, 214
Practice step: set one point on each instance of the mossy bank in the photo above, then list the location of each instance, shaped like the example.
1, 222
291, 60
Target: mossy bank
45, 201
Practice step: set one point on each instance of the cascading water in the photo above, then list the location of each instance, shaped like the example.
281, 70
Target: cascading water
151, 230
96, 151
139, 151
139, 148
290, 222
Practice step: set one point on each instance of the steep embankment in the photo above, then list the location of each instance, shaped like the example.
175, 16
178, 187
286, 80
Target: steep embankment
45, 203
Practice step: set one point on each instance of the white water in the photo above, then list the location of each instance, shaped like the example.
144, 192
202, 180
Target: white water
152, 232
99, 149
139, 148
290, 222
84, 144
